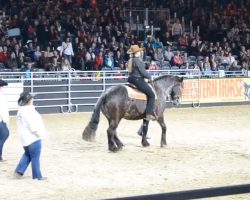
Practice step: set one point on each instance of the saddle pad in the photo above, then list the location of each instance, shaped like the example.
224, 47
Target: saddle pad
135, 94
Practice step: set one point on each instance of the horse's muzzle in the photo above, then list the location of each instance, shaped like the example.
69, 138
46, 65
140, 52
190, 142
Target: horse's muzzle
176, 102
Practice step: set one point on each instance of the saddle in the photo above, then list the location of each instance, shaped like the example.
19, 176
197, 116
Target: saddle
134, 93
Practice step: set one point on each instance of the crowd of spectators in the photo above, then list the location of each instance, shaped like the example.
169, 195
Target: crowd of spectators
61, 35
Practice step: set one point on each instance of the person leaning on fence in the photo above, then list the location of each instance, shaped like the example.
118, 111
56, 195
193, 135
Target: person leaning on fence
137, 73
4, 119
31, 130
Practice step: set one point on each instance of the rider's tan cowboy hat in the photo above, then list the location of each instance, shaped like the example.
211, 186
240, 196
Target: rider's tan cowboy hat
134, 49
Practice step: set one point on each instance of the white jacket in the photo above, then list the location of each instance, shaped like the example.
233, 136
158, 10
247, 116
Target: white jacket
30, 125
67, 49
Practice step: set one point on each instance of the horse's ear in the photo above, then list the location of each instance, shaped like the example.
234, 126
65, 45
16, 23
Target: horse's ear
181, 79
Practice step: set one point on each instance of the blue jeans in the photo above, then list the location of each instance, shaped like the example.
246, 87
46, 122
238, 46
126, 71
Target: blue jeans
31, 154
4, 134
68, 57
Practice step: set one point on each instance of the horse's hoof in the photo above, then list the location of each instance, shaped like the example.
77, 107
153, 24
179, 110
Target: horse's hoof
114, 149
163, 145
88, 138
145, 144
119, 148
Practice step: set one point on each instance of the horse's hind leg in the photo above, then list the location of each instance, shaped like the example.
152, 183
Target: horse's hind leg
112, 136
164, 130
144, 141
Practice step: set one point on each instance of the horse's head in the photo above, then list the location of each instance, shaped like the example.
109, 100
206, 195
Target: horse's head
171, 88
176, 92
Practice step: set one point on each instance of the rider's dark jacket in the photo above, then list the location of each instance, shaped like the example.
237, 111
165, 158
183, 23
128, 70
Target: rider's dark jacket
138, 69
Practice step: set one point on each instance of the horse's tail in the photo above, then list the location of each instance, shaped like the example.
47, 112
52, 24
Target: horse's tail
90, 130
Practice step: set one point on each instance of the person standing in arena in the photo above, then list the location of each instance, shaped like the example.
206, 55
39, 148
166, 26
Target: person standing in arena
4, 119
31, 130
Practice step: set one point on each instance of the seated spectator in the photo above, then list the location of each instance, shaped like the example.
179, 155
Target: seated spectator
89, 57
205, 65
12, 62
213, 63
177, 60
243, 54
80, 56
19, 54
4, 55
56, 54
245, 66
113, 44
98, 62
122, 50
66, 66
119, 60
230, 59
55, 65
153, 66
37, 54
149, 51
158, 43
30, 51
235, 66
183, 41
185, 59
50, 53
168, 54
158, 55
44, 61
109, 60
221, 58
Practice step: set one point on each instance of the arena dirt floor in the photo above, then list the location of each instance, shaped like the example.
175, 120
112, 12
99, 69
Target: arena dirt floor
207, 147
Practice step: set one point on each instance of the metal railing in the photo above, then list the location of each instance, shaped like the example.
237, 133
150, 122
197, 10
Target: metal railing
75, 91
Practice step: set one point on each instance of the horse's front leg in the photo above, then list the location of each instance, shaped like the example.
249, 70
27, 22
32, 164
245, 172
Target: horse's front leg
144, 141
118, 142
160, 120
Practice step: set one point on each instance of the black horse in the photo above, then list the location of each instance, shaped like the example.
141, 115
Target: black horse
116, 104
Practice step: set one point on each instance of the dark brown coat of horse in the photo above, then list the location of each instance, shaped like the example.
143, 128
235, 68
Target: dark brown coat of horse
115, 104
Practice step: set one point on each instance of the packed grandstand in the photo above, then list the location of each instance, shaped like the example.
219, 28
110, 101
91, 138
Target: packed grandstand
60, 35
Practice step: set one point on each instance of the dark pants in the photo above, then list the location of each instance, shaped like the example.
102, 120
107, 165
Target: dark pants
4, 134
146, 89
31, 155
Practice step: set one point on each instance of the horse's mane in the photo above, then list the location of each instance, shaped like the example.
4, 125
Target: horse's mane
164, 77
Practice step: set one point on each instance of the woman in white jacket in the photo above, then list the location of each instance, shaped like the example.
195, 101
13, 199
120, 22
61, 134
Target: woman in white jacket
66, 50
31, 130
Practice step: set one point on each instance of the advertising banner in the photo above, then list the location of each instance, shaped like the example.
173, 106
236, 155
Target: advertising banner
217, 90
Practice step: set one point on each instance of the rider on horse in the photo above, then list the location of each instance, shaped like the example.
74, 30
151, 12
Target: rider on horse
137, 74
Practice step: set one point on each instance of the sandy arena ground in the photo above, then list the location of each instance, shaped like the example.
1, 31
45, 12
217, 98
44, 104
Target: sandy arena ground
207, 147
